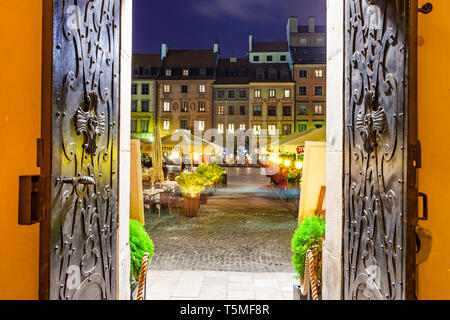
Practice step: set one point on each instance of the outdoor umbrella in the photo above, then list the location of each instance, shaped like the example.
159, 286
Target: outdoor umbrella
156, 173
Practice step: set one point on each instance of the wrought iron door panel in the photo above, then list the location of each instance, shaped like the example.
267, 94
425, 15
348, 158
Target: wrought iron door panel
84, 147
377, 76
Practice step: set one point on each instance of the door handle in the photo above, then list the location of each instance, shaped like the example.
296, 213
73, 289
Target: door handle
83, 180
425, 205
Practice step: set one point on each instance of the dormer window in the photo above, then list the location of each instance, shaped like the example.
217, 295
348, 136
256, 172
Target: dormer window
256, 58
168, 72
185, 72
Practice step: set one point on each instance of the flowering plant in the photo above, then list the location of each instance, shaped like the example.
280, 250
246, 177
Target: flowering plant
287, 175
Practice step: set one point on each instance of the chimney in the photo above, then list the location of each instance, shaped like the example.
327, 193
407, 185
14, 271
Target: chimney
164, 50
216, 47
312, 27
292, 25
250, 43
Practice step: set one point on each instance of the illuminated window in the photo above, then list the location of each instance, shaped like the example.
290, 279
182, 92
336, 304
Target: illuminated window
302, 126
220, 127
303, 42
319, 73
242, 127
318, 109
185, 107
166, 125
272, 129
166, 106
320, 42
256, 129
201, 125
201, 107
287, 93
166, 88
231, 128
185, 72
202, 88
272, 93
220, 110
257, 93
168, 72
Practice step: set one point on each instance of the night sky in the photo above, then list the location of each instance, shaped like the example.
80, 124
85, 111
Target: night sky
196, 24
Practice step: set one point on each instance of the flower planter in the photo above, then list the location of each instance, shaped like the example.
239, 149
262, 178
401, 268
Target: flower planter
191, 206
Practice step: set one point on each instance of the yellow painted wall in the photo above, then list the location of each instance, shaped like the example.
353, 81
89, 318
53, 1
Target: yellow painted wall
20, 105
434, 133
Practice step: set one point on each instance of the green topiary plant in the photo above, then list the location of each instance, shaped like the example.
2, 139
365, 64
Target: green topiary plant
191, 184
140, 243
308, 236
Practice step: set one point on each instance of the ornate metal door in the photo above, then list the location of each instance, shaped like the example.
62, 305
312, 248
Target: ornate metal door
80, 149
380, 151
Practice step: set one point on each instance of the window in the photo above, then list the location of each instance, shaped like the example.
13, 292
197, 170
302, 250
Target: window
202, 72
272, 93
272, 129
134, 88
320, 42
133, 125
303, 42
202, 88
269, 58
255, 58
184, 89
302, 126
287, 129
318, 90
166, 106
242, 94
242, 110
168, 72
145, 89
220, 110
220, 127
184, 124
283, 58
256, 129
318, 124
257, 93
272, 111
231, 110
185, 72
231, 128
287, 93
231, 94
144, 125
257, 111
184, 106
201, 107
221, 94
302, 91
287, 111
166, 125
318, 109
166, 88
201, 125
303, 73
145, 106
242, 127
134, 106
302, 109
319, 73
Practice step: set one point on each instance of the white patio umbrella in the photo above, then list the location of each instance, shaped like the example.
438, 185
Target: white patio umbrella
156, 173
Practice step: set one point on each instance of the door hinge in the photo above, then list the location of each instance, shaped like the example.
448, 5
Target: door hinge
40, 152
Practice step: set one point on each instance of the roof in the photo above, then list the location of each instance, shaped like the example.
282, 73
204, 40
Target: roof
229, 72
309, 55
270, 47
147, 59
270, 72
317, 29
190, 58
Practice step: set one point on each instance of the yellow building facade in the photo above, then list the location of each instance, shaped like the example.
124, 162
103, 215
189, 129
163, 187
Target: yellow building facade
143, 109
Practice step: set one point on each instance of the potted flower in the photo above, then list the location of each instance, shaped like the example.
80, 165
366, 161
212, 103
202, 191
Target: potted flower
191, 185
308, 236
207, 174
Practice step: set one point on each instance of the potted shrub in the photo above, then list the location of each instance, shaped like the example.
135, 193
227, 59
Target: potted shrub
191, 185
140, 243
207, 174
308, 236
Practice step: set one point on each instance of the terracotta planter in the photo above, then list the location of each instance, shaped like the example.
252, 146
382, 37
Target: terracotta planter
203, 198
191, 206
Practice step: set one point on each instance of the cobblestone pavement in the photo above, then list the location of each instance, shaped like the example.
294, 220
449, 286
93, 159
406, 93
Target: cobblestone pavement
243, 228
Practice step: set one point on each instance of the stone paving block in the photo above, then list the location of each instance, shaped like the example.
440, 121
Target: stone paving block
240, 286
241, 295
268, 294
266, 283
